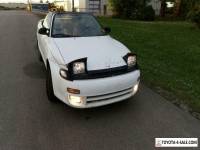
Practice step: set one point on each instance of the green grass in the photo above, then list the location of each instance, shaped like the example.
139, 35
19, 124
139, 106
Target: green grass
168, 55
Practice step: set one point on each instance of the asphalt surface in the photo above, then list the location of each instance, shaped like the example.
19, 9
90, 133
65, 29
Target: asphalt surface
28, 121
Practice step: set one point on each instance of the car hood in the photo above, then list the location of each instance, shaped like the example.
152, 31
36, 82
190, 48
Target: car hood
102, 52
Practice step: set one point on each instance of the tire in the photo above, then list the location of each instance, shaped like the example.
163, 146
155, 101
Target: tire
39, 54
49, 86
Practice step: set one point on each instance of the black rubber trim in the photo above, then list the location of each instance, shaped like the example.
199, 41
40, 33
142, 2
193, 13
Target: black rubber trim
96, 74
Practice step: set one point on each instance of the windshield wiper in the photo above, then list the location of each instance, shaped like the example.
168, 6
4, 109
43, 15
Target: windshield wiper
64, 35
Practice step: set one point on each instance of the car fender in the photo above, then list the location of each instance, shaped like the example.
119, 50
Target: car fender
53, 53
56, 80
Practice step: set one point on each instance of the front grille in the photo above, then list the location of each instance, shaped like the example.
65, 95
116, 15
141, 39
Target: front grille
110, 96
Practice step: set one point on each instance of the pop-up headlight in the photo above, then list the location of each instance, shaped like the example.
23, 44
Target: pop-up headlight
130, 59
78, 67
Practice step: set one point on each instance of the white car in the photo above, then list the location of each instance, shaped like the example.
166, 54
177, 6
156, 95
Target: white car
85, 66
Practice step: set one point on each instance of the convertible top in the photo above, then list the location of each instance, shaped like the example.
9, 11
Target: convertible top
69, 12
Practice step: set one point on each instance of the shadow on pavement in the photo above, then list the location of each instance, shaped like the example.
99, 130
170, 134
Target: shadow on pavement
35, 70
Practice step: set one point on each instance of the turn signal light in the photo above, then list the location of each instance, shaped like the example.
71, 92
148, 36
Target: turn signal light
73, 91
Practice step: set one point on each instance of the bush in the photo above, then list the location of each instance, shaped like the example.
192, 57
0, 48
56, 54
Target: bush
128, 9
147, 14
124, 9
186, 6
194, 15
4, 8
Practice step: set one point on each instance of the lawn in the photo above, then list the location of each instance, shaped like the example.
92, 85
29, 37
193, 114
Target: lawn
168, 55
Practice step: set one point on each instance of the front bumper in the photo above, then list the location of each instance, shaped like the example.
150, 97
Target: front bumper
97, 92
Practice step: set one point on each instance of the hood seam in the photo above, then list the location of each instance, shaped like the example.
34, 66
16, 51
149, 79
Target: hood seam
59, 51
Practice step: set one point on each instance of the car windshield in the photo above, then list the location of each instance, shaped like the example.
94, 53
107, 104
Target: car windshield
75, 25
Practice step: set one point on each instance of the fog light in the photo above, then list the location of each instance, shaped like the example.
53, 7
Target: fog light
77, 100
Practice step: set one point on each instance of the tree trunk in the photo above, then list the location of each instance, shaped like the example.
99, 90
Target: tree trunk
73, 9
163, 8
177, 10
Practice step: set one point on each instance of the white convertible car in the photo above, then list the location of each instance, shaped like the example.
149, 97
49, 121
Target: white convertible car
85, 66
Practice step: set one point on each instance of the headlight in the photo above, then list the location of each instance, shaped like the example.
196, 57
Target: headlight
78, 67
131, 61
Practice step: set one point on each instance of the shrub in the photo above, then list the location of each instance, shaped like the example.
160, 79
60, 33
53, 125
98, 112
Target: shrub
186, 6
4, 8
147, 14
194, 15
128, 9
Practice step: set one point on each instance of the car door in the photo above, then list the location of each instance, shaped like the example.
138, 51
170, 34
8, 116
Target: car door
43, 40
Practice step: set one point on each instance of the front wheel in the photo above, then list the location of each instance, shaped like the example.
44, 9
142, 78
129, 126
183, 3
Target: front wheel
49, 86
39, 54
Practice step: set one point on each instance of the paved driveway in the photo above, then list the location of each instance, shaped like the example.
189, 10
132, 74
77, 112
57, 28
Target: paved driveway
28, 121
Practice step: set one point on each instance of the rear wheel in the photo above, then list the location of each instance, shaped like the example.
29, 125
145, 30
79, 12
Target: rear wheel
49, 86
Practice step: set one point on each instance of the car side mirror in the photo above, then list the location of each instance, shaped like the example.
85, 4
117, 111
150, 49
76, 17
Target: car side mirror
107, 30
44, 31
